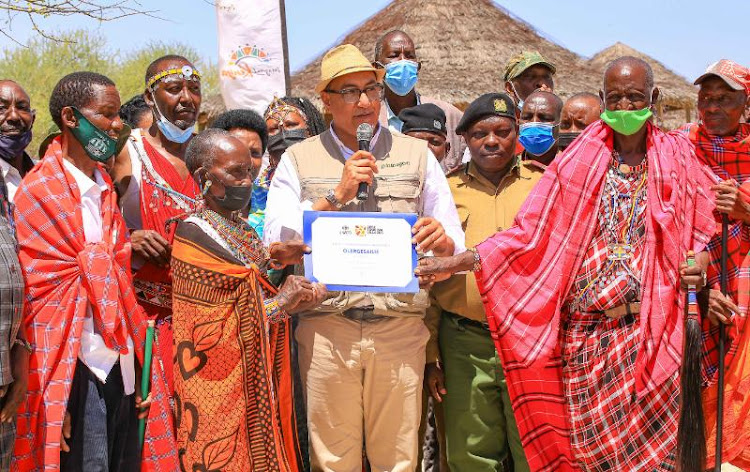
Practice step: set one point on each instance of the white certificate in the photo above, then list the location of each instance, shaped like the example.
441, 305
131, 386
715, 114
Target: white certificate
361, 252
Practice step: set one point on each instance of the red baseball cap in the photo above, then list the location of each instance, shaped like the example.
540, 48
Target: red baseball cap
735, 75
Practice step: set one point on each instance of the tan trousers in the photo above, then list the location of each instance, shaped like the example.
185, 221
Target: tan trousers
363, 386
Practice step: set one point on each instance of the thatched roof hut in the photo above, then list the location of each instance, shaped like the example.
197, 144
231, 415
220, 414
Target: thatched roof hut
677, 93
463, 46
211, 106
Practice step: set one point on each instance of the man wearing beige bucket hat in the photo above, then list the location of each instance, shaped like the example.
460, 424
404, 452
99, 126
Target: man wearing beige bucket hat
362, 355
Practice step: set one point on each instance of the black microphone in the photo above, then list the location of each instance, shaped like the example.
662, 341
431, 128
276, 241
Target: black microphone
364, 135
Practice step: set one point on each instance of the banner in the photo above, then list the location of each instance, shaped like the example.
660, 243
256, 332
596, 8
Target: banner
252, 62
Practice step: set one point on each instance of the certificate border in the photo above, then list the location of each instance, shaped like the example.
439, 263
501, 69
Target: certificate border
309, 216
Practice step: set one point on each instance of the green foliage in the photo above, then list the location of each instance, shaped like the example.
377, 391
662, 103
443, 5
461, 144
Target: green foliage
43, 62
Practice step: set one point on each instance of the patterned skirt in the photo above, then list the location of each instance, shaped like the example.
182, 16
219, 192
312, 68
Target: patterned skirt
611, 429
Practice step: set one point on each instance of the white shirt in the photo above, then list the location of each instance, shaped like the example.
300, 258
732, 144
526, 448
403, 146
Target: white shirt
94, 353
285, 206
394, 122
11, 176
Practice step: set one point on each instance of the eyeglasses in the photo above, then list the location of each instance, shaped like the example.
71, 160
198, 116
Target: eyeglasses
352, 95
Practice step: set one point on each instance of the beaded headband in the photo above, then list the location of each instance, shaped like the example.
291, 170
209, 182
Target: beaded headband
186, 72
280, 107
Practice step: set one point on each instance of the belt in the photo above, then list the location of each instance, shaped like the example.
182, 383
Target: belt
364, 315
464, 321
622, 310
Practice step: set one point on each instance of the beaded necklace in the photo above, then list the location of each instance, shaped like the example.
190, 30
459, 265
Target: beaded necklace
619, 243
240, 238
151, 177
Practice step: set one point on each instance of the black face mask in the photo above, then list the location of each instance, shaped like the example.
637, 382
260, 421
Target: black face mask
236, 197
565, 139
281, 141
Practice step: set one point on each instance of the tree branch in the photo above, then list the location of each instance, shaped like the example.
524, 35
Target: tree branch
99, 10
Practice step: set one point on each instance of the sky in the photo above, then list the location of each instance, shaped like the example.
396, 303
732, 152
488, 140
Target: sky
685, 35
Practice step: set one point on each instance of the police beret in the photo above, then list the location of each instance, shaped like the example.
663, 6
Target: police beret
426, 117
497, 104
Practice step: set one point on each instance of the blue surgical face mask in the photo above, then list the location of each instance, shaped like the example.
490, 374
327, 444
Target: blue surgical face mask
170, 130
401, 76
537, 138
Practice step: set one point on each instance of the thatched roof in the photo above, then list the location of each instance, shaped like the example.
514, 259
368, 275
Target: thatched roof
676, 90
463, 45
211, 106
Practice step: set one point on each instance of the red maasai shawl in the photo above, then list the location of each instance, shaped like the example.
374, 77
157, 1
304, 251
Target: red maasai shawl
729, 158
63, 274
157, 207
153, 284
527, 272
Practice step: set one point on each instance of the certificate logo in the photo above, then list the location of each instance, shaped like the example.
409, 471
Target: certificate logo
364, 230
345, 230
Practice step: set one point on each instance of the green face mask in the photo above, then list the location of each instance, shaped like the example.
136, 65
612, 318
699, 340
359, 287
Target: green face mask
626, 122
99, 146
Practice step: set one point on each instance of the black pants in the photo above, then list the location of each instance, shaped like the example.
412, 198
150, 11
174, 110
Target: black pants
104, 433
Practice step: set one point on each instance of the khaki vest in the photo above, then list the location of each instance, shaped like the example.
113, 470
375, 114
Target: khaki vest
402, 166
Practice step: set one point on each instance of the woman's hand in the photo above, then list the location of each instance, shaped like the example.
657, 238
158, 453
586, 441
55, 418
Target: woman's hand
299, 294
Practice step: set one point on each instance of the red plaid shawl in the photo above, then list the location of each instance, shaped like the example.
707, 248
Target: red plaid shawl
729, 158
527, 272
63, 274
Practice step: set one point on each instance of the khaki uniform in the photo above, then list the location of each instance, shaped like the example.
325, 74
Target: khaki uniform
481, 433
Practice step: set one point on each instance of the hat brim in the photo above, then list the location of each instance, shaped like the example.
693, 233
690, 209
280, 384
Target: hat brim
379, 74
464, 126
426, 130
729, 81
546, 64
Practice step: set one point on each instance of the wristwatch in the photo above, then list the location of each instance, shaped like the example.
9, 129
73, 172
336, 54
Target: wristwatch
331, 197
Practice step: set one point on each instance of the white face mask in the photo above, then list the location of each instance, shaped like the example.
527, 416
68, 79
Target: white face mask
518, 97
170, 130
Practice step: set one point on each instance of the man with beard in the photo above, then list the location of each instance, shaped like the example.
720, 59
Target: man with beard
155, 186
16, 120
396, 53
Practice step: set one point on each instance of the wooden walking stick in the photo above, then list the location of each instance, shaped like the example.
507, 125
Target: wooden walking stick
723, 280
691, 432
146, 376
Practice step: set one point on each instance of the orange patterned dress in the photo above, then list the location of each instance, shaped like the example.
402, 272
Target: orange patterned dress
232, 372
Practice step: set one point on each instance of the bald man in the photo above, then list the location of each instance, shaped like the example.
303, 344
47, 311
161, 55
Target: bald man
396, 53
579, 111
581, 295
539, 123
